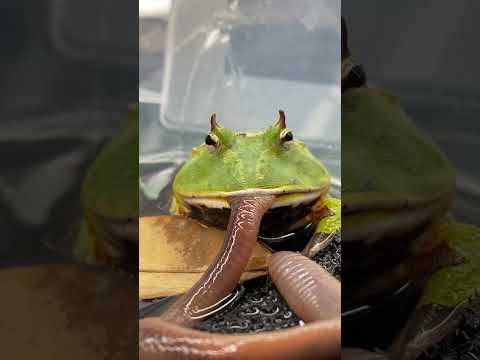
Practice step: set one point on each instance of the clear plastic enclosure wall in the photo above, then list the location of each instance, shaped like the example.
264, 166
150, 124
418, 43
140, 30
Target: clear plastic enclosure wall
244, 60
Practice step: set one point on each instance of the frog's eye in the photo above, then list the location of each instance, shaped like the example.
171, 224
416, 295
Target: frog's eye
356, 76
285, 136
212, 140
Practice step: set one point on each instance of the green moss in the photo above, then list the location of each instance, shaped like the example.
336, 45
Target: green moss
455, 284
333, 223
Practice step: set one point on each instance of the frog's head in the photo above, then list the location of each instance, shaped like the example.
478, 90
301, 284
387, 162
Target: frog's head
269, 162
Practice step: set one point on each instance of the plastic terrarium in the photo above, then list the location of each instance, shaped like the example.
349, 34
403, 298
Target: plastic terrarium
244, 61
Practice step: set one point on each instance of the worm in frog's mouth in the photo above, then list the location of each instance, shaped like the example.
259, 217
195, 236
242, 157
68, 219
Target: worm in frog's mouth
277, 221
163, 338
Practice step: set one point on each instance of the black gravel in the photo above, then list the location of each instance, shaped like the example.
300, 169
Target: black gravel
331, 257
464, 343
260, 308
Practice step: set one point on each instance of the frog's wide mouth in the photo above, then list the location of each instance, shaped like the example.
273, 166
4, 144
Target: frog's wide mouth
380, 201
287, 211
109, 241
385, 219
284, 197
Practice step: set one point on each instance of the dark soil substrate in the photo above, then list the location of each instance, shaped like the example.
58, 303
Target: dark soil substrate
464, 343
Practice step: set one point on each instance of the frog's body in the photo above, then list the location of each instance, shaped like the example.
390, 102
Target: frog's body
267, 162
265, 179
243, 177
394, 178
397, 190
109, 200
263, 162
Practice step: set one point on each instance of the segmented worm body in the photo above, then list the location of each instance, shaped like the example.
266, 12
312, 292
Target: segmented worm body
309, 290
223, 275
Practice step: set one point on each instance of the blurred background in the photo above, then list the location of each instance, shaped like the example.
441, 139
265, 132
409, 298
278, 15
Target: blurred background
68, 74
426, 54
69, 69
243, 60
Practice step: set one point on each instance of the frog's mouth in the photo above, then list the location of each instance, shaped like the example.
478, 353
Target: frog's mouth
396, 245
126, 229
287, 210
282, 199
384, 218
115, 241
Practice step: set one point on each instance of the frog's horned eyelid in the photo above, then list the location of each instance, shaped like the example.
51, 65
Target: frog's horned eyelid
213, 122
281, 121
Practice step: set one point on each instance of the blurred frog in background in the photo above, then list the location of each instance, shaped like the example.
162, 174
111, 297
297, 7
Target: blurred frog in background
398, 189
109, 201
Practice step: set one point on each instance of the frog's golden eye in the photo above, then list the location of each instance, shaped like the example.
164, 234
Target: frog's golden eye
211, 139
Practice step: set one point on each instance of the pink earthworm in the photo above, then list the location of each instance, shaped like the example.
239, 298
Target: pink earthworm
223, 274
308, 288
317, 301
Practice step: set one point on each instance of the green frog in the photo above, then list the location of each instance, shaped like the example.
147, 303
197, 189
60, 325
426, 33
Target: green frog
397, 192
262, 183
397, 189
267, 162
227, 164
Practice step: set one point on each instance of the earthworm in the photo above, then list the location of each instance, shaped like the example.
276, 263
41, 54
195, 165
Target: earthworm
309, 289
223, 274
311, 292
